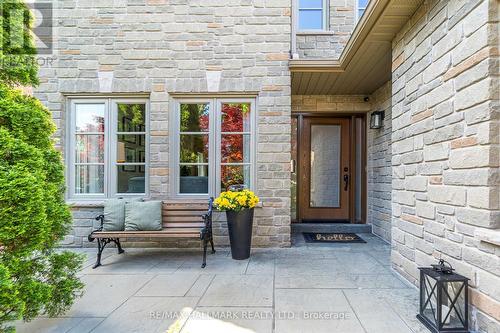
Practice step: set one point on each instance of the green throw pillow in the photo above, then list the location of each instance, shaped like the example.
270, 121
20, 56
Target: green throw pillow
114, 214
143, 216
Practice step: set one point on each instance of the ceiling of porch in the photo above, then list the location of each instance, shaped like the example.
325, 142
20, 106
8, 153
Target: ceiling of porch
365, 63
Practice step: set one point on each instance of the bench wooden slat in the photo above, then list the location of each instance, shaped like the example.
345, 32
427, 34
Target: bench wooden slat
182, 219
183, 225
185, 206
171, 212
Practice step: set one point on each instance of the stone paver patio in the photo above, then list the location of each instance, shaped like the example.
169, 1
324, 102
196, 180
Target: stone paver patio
307, 288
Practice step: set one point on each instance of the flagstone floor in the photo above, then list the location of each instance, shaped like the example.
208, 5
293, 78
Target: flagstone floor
307, 288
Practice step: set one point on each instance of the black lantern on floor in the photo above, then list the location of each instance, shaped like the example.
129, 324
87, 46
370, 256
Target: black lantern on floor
443, 299
377, 119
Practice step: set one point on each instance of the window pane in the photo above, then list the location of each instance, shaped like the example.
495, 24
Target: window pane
235, 148
131, 148
194, 148
131, 179
235, 117
131, 117
89, 179
89, 148
361, 12
234, 175
310, 19
194, 117
89, 117
193, 179
363, 3
310, 3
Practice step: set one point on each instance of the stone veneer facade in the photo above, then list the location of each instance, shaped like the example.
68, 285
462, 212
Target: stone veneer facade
432, 170
342, 20
445, 148
159, 47
378, 166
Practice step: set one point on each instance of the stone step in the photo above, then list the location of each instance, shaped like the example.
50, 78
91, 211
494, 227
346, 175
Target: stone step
331, 227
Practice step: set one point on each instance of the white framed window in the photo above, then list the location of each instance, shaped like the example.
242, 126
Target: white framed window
361, 7
212, 145
312, 15
108, 150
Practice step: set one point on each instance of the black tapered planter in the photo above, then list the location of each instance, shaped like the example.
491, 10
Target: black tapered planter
239, 225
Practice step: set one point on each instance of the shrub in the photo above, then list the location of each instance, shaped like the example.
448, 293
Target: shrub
35, 278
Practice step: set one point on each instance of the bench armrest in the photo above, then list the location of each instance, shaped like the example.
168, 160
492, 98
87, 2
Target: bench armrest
207, 218
99, 218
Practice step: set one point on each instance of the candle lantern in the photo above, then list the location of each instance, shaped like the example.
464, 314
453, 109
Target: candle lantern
443, 299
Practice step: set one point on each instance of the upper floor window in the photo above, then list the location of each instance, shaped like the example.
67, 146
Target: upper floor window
362, 4
312, 14
213, 145
107, 151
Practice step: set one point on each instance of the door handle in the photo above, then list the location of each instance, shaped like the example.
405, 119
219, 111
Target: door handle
346, 181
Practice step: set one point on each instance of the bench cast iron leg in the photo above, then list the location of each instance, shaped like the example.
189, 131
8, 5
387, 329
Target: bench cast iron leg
205, 243
101, 244
119, 246
212, 244
100, 248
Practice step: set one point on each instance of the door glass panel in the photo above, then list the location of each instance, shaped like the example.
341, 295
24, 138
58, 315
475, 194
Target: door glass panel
325, 166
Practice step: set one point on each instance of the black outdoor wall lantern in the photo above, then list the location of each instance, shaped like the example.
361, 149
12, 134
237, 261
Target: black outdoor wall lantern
443, 299
377, 119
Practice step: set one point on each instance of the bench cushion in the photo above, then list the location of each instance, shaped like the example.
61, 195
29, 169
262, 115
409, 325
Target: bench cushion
114, 214
143, 216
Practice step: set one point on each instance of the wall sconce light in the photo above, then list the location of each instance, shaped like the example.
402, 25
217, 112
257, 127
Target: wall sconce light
377, 119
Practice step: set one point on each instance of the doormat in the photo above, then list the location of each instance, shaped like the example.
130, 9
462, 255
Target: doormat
325, 237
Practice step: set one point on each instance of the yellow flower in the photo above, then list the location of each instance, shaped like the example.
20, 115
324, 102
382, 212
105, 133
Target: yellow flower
236, 200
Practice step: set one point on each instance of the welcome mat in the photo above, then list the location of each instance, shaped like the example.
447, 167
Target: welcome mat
325, 237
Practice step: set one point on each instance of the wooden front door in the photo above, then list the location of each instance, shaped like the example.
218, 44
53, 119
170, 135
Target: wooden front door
324, 154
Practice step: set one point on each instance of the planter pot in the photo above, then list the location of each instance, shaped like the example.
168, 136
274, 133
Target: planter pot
239, 225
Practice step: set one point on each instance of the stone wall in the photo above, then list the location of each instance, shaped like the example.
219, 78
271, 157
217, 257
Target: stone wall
445, 145
161, 47
330, 103
378, 166
330, 44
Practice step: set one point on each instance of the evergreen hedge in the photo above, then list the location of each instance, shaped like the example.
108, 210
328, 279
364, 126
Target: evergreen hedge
35, 277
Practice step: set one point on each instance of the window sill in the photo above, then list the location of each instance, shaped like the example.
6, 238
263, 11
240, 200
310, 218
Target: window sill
95, 203
86, 203
314, 32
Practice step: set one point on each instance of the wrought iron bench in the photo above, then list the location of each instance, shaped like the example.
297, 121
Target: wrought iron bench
180, 220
